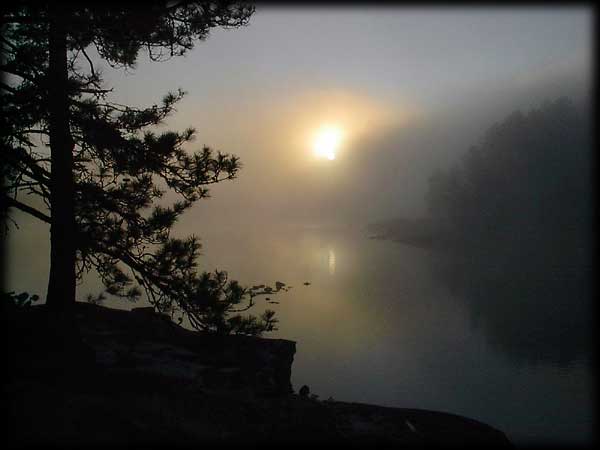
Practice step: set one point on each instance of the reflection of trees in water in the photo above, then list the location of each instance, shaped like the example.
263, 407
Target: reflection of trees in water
518, 212
531, 312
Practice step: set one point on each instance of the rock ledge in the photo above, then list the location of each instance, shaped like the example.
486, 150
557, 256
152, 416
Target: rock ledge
107, 376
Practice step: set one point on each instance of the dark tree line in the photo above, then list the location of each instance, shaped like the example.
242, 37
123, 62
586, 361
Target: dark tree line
516, 215
95, 168
528, 181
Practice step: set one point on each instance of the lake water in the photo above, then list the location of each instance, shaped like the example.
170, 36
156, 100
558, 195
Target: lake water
388, 324
379, 324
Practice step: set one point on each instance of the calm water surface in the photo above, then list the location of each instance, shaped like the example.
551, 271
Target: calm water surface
379, 325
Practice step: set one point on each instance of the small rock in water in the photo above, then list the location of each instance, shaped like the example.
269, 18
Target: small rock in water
306, 283
304, 391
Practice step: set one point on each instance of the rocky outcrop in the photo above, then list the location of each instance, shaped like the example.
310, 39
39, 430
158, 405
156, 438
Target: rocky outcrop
368, 424
142, 340
106, 376
123, 343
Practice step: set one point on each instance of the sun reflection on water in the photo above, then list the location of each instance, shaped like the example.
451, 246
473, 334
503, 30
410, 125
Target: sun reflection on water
331, 261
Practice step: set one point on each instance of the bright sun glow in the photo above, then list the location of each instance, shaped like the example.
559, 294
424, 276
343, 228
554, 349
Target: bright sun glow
327, 141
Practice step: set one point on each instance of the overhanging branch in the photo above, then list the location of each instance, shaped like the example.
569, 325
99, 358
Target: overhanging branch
26, 208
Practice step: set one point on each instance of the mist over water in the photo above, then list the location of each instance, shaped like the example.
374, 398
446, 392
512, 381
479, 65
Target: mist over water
380, 324
502, 339
499, 330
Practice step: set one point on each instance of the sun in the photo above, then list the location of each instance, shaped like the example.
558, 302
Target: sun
327, 141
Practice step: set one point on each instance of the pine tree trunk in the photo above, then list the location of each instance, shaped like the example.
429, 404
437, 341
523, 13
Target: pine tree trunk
61, 285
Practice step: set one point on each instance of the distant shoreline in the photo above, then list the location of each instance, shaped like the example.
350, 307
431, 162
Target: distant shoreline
426, 244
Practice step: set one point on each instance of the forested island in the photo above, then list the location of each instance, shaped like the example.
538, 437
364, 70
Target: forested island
525, 187
511, 223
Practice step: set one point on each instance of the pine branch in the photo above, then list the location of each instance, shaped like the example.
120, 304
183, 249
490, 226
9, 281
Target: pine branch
26, 208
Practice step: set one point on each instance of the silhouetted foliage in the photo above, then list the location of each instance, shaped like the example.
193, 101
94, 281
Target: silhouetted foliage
517, 213
211, 302
95, 299
97, 165
11, 300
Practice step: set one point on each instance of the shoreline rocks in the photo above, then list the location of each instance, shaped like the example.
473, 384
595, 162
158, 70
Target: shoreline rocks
135, 377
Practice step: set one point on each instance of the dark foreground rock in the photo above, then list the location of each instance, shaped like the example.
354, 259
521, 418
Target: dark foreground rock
105, 376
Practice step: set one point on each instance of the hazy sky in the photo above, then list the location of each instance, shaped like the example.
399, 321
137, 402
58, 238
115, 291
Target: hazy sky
393, 55
381, 74
411, 90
